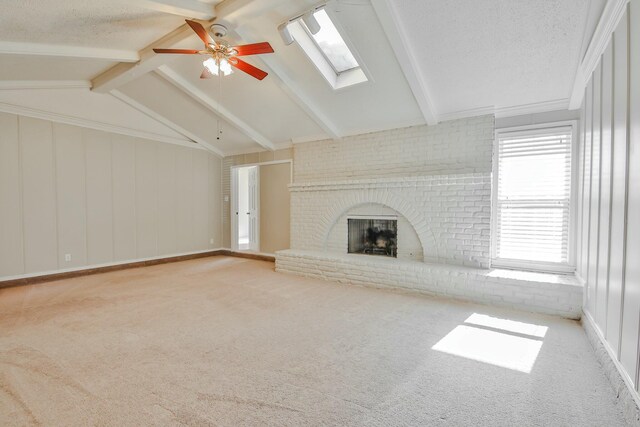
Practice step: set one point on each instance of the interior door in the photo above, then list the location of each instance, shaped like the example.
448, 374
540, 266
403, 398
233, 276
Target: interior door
254, 206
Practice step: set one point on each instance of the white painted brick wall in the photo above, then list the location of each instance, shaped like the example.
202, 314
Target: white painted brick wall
450, 214
438, 179
458, 146
535, 292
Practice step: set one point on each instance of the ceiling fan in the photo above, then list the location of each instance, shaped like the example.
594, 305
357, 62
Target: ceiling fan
222, 56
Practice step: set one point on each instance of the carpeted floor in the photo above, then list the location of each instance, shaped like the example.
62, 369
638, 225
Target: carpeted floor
227, 341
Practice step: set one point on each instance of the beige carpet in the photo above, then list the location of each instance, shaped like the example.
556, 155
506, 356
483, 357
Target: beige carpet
227, 341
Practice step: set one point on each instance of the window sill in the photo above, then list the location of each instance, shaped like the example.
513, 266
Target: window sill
524, 266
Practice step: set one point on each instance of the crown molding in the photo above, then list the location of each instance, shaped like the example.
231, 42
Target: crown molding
515, 110
246, 150
44, 84
91, 124
533, 108
463, 114
613, 11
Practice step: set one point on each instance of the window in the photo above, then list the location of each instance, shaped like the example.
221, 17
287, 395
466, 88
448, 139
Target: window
328, 50
532, 198
331, 44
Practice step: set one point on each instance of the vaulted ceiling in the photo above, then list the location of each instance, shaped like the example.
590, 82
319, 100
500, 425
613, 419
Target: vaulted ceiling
90, 62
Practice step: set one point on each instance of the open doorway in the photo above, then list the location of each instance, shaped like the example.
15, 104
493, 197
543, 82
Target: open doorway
245, 182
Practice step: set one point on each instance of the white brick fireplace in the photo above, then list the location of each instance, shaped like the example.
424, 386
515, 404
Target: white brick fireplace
436, 180
442, 218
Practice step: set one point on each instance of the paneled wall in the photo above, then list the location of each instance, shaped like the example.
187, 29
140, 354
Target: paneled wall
100, 198
609, 194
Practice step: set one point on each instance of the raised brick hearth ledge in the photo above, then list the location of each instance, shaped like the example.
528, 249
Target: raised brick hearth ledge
537, 292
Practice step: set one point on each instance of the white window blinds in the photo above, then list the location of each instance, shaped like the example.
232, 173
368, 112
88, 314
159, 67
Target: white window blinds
533, 197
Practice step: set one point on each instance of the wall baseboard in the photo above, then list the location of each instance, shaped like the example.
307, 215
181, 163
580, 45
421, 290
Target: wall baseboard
249, 255
96, 269
621, 383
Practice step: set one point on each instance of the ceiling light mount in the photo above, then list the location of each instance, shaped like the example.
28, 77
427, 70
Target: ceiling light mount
219, 30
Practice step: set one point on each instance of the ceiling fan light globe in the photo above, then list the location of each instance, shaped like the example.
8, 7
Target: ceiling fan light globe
225, 67
211, 65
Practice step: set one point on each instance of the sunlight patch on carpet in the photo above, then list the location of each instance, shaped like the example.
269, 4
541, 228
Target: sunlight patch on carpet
499, 342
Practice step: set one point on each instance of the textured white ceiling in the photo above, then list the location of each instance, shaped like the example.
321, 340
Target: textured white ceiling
116, 24
472, 54
384, 102
499, 53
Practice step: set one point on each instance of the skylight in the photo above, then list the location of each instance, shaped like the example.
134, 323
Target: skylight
327, 49
331, 43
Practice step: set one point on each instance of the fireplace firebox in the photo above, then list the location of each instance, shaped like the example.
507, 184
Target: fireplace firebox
373, 236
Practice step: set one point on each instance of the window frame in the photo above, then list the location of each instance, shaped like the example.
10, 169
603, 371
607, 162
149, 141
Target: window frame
565, 268
305, 42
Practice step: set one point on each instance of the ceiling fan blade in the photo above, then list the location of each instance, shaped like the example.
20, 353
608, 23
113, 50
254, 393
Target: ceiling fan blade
184, 51
249, 69
253, 49
201, 32
206, 74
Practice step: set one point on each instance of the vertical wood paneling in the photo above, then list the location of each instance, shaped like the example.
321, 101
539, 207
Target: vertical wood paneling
594, 226
605, 188
124, 197
200, 202
631, 309
39, 195
619, 187
70, 183
580, 190
586, 195
146, 198
166, 199
99, 197
11, 241
215, 197
184, 200
615, 167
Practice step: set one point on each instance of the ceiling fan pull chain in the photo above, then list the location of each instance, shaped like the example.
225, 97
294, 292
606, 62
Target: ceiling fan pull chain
219, 101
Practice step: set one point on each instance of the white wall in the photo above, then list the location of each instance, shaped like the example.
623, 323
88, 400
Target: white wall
100, 197
609, 195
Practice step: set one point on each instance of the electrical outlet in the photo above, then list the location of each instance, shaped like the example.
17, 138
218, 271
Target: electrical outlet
211, 241
226, 198
67, 257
